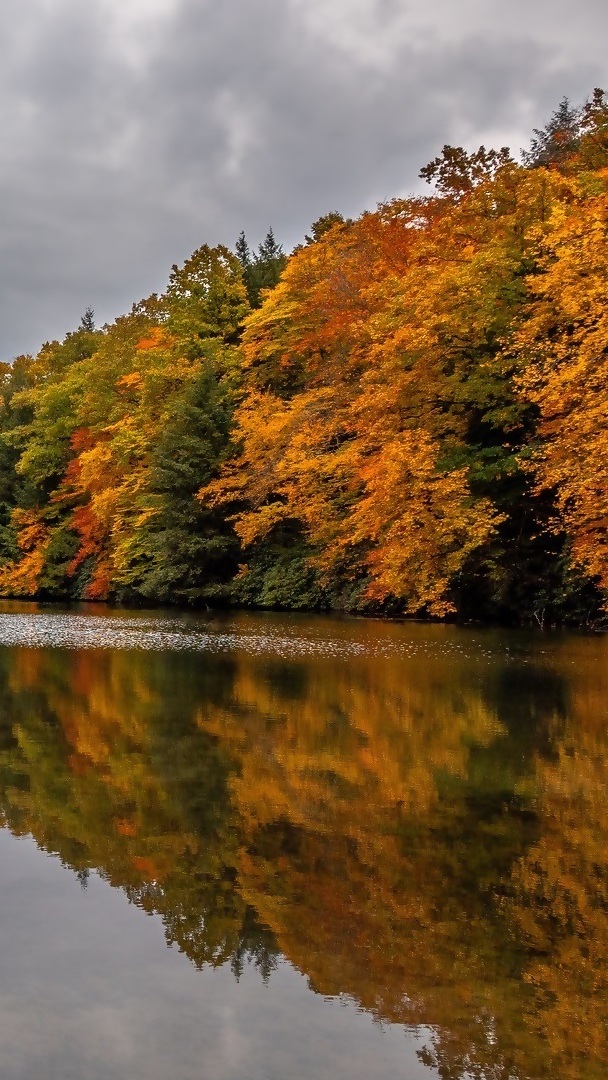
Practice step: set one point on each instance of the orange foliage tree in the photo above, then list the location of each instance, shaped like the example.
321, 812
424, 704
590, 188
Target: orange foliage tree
564, 345
380, 414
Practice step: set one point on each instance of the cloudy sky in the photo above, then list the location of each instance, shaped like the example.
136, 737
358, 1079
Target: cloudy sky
135, 130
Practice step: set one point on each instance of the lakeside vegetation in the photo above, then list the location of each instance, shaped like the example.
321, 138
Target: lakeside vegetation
406, 415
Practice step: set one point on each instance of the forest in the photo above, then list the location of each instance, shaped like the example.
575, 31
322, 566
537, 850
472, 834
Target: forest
405, 416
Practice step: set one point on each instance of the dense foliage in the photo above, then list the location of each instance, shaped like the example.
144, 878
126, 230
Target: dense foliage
408, 414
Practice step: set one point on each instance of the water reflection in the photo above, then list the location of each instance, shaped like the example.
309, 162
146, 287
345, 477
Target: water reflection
422, 829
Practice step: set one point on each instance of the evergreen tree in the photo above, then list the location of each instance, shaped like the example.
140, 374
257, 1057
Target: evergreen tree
88, 320
558, 141
193, 553
262, 270
242, 251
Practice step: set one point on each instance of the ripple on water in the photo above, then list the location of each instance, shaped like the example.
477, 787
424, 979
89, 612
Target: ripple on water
72, 630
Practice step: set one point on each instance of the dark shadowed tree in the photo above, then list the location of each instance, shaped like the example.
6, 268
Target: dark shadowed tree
88, 320
557, 141
454, 171
323, 224
263, 269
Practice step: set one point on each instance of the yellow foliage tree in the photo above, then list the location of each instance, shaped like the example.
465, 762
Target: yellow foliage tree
563, 344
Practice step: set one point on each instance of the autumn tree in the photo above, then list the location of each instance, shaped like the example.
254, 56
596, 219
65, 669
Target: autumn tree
323, 224
564, 343
455, 172
381, 432
112, 513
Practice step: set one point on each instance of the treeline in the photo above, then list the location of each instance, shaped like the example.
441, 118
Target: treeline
406, 415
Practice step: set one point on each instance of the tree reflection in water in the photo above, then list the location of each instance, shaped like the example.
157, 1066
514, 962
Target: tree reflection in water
427, 836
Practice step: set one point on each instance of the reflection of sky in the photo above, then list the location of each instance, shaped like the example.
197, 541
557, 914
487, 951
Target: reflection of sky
88, 991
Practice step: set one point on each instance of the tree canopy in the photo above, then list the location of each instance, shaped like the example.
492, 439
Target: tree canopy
405, 415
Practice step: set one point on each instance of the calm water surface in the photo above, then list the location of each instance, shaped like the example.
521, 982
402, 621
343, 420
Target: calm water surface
275, 848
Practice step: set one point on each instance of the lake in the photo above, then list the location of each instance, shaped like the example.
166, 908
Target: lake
270, 847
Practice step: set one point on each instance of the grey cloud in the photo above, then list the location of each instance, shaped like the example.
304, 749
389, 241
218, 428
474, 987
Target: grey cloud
123, 148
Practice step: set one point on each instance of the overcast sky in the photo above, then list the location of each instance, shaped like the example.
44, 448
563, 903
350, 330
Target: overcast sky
135, 130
